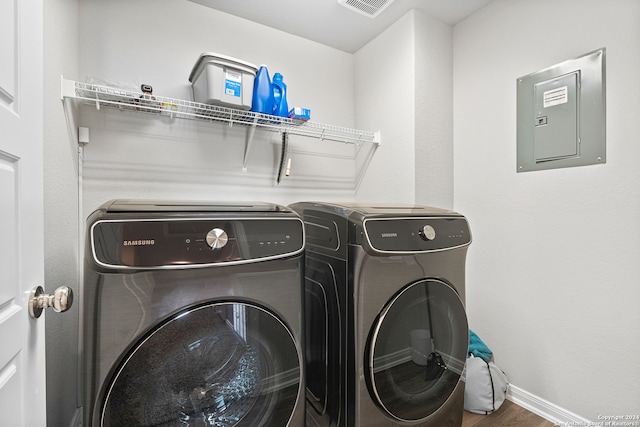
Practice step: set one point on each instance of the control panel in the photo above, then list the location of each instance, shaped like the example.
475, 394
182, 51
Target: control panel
196, 242
419, 234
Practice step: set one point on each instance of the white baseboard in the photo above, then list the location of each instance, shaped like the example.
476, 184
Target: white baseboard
547, 410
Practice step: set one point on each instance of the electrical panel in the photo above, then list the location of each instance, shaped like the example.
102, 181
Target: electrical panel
561, 115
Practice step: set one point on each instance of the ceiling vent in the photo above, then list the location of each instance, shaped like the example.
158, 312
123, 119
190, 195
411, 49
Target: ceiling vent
369, 8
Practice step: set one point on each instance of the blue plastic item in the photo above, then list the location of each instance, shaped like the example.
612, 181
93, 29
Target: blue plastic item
280, 106
299, 113
262, 101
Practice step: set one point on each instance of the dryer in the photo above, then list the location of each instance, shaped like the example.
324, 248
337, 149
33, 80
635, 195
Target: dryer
386, 328
192, 315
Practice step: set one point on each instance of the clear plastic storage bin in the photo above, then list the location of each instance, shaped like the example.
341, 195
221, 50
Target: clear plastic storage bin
222, 80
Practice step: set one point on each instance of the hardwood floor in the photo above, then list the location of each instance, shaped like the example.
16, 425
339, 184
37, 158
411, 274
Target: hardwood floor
509, 415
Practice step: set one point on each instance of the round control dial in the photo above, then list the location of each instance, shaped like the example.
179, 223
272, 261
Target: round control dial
217, 238
427, 233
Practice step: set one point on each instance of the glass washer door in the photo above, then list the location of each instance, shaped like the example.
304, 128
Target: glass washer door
221, 364
417, 350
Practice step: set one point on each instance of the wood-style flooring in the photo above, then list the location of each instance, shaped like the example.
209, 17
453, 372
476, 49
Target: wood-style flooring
509, 415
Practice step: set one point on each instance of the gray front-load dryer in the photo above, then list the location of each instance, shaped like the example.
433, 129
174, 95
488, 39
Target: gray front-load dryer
386, 333
192, 315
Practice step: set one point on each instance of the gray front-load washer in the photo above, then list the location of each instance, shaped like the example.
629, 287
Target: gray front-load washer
192, 315
386, 329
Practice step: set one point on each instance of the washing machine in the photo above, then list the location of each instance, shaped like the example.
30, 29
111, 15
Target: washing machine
386, 328
192, 315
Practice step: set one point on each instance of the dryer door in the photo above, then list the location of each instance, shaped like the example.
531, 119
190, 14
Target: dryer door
417, 349
221, 364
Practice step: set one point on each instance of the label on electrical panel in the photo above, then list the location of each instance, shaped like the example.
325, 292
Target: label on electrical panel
555, 97
232, 83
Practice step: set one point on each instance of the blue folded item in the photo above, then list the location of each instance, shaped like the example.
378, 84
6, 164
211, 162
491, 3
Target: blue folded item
478, 348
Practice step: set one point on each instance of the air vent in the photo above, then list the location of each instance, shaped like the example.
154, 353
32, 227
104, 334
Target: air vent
369, 8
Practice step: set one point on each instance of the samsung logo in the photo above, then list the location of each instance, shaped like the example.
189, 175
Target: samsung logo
147, 242
389, 234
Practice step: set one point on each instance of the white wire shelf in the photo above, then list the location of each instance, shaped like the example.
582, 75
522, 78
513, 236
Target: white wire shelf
109, 97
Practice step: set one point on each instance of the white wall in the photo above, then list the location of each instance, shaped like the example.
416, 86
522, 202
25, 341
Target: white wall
384, 94
433, 112
61, 210
403, 87
553, 272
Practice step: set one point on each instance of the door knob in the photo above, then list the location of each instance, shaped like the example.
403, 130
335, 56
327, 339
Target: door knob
60, 301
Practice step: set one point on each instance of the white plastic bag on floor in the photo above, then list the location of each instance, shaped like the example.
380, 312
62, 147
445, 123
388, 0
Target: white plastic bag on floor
486, 386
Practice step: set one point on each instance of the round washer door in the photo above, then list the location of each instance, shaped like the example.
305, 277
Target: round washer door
221, 364
417, 349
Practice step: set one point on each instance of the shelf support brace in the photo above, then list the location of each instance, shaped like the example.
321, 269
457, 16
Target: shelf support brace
247, 145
